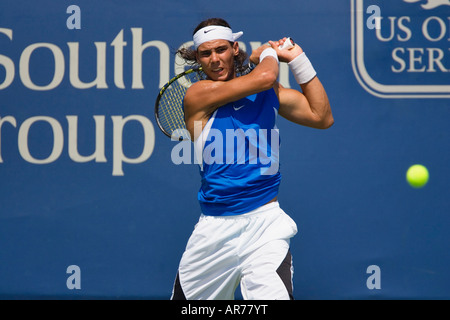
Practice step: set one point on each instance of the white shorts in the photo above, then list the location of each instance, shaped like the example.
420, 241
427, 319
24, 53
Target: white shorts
251, 249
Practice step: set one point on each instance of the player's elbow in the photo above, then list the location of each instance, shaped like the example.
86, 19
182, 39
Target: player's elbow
325, 121
328, 122
268, 79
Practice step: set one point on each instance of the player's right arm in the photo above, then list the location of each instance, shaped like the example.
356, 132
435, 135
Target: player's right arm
204, 97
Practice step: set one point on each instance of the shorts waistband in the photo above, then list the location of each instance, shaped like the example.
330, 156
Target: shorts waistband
256, 212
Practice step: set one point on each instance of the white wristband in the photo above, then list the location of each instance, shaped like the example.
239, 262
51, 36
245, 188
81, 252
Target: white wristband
302, 69
269, 52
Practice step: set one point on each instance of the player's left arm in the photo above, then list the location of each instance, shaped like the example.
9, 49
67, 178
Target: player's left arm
310, 107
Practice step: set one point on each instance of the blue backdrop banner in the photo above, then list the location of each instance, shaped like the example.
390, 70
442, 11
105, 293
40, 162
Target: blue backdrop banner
92, 205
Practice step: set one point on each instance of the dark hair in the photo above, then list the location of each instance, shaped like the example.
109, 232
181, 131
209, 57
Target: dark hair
189, 54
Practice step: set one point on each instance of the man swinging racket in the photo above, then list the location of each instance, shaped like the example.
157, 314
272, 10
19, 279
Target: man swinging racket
243, 235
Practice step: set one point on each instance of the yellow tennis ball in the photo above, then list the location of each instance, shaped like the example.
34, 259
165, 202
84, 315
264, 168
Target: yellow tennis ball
417, 176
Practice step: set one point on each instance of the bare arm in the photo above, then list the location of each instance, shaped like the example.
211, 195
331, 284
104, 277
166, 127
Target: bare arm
310, 108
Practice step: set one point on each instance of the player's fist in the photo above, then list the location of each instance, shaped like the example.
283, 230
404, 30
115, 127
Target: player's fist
286, 55
254, 57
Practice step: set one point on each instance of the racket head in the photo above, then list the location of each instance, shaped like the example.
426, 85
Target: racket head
169, 111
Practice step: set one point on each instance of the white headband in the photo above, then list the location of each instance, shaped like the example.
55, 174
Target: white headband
209, 33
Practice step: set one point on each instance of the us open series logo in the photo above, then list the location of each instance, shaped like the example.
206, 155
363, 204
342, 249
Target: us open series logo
401, 48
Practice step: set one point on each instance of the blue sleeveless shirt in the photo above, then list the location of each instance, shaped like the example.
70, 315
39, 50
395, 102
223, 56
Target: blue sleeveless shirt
240, 156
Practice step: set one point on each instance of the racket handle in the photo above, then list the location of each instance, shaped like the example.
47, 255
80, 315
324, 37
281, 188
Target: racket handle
288, 44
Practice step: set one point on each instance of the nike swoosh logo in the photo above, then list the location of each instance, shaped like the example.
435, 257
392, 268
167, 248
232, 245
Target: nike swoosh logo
206, 31
238, 108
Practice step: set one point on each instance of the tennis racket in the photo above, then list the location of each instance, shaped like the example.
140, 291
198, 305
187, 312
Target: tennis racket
169, 111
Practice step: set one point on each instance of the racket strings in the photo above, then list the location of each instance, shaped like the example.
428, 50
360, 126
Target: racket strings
170, 112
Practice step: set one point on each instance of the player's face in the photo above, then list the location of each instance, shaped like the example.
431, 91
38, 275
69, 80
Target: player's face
217, 59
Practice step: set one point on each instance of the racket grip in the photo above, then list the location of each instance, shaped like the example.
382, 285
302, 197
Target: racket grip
288, 44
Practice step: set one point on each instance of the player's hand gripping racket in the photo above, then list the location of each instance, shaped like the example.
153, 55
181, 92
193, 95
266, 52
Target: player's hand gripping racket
169, 111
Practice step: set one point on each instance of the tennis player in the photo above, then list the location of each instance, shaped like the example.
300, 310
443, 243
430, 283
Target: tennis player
243, 235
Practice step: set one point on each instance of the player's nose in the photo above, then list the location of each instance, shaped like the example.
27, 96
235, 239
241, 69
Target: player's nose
214, 57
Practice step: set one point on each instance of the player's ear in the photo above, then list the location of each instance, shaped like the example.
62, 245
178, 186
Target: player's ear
236, 48
196, 57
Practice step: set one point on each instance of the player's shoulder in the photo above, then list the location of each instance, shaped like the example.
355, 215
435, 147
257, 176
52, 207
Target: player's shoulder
199, 88
195, 94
